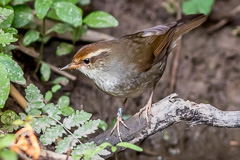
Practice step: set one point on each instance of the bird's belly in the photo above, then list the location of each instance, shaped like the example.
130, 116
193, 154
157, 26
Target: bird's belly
132, 85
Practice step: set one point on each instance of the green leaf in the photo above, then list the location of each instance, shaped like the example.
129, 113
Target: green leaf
8, 117
59, 28
114, 149
67, 111
196, 6
103, 125
10, 127
80, 149
61, 80
87, 128
71, 1
52, 14
4, 3
15, 2
42, 7
63, 101
7, 49
30, 36
8, 155
42, 123
97, 150
56, 87
18, 122
4, 85
130, 146
65, 144
14, 70
33, 94
6, 141
45, 72
52, 111
205, 6
77, 33
68, 12
35, 100
48, 96
22, 16
52, 134
84, 2
10, 30
6, 16
100, 19
5, 13
64, 49
6, 38
76, 119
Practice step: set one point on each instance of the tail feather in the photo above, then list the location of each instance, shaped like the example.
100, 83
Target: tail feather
188, 23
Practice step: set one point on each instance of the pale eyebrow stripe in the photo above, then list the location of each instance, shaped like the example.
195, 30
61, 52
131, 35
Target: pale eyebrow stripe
98, 52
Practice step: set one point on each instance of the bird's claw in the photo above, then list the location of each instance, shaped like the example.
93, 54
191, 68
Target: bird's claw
117, 124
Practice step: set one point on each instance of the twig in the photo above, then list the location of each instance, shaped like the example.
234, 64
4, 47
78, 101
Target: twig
169, 111
32, 53
177, 54
18, 96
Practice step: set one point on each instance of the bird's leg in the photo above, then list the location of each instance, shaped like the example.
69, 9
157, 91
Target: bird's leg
119, 121
148, 107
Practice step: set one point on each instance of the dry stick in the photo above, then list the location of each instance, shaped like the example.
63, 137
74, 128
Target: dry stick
225, 20
32, 53
18, 96
177, 54
169, 111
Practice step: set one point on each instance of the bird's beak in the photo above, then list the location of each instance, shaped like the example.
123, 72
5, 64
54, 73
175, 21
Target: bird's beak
70, 66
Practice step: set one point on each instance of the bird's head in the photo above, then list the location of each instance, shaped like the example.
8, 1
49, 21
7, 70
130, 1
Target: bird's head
89, 58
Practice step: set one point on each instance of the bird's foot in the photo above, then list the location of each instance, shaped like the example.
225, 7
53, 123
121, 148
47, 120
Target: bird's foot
148, 110
117, 124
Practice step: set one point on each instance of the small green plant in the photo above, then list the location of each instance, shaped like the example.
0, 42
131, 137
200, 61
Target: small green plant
88, 153
197, 6
5, 143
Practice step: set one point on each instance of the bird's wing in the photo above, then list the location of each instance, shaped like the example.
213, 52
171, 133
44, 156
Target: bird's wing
151, 44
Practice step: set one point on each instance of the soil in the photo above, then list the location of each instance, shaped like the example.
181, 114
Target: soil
209, 72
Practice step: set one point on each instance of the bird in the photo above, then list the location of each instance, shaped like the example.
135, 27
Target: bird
128, 66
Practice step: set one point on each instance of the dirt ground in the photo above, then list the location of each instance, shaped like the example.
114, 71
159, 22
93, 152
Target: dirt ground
209, 72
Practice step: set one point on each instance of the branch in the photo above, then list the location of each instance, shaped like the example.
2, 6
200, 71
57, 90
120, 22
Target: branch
169, 111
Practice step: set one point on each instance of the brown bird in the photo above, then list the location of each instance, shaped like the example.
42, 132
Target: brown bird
128, 66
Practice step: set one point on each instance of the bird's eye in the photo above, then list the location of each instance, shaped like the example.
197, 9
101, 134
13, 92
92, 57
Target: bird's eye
86, 61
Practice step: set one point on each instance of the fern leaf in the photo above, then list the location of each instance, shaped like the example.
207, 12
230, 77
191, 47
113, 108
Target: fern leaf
80, 149
42, 123
87, 128
65, 144
52, 111
76, 119
35, 99
52, 134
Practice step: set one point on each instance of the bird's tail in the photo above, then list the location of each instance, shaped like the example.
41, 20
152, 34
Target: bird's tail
188, 23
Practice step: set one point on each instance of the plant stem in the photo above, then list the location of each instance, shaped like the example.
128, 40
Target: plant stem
116, 157
75, 35
41, 47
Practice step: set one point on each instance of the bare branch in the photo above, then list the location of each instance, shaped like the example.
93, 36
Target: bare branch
167, 112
